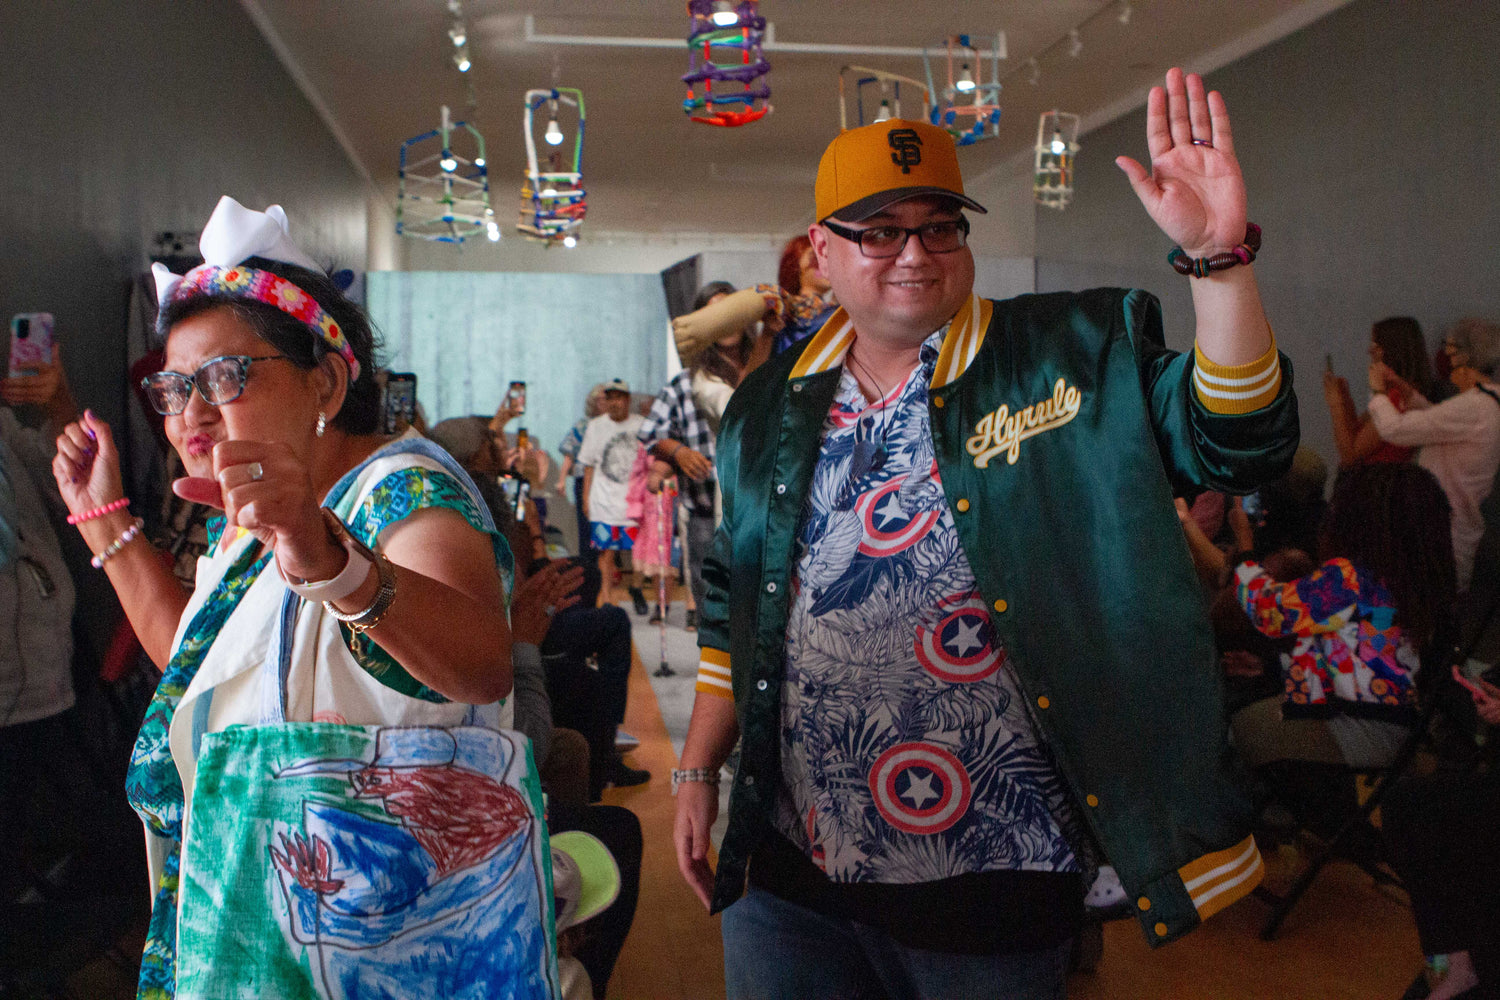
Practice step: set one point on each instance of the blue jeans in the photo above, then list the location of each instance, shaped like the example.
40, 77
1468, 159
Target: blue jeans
774, 949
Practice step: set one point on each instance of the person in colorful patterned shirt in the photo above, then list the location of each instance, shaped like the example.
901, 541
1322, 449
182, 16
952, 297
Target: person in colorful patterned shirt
936, 599
270, 400
1361, 620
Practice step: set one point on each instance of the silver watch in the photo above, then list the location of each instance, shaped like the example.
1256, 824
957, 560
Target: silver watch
707, 775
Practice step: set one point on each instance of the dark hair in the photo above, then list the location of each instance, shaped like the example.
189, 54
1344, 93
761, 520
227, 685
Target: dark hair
789, 271
708, 291
1405, 350
1392, 520
360, 413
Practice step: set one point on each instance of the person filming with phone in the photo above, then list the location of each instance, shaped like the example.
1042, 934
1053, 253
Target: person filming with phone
270, 400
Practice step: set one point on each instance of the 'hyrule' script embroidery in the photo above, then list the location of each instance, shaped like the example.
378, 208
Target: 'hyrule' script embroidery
1004, 430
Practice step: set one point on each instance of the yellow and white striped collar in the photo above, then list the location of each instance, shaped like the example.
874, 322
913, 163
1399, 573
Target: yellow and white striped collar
965, 335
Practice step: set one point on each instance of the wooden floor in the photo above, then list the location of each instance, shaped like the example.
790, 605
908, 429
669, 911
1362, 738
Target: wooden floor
1346, 939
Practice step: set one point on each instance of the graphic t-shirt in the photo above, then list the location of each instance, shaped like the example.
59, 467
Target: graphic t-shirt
609, 446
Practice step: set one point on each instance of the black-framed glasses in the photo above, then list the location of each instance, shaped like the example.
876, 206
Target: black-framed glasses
219, 380
888, 241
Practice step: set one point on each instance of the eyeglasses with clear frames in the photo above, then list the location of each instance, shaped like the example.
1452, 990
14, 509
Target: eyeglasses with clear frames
888, 241
218, 380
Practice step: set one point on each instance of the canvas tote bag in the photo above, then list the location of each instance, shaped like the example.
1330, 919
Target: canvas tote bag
338, 861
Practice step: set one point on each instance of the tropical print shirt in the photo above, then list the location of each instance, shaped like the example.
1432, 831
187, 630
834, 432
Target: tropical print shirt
907, 751
1351, 656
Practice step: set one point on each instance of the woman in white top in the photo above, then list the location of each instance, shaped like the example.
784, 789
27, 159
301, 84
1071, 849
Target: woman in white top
1459, 437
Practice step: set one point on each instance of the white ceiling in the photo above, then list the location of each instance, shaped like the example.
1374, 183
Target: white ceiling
379, 71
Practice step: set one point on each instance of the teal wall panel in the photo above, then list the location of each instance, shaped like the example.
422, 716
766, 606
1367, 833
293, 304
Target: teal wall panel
467, 335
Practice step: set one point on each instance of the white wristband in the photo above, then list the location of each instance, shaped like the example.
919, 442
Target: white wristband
356, 570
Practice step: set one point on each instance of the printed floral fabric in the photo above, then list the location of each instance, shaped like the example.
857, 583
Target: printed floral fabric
907, 751
153, 785
1349, 649
801, 315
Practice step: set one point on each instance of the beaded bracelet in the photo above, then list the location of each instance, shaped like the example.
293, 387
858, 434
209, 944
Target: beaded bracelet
126, 537
1200, 268
99, 511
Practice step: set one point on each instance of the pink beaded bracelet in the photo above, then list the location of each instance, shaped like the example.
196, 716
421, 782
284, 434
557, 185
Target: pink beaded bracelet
108, 508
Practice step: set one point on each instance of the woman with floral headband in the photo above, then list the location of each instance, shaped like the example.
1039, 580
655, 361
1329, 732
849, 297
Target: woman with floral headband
270, 399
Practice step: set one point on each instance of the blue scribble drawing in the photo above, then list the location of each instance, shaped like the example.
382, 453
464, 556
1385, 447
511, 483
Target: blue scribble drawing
424, 900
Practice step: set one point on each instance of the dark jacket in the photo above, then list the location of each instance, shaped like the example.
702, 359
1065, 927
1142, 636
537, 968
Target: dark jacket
1063, 428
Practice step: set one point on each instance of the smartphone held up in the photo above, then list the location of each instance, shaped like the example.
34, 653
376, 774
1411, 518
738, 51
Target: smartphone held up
30, 343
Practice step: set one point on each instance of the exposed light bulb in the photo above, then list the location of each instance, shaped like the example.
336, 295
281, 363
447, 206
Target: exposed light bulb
553, 135
549, 192
884, 115
1125, 12
449, 162
494, 232
1058, 146
1075, 43
725, 15
490, 212
570, 241
459, 34
965, 82
461, 58
478, 161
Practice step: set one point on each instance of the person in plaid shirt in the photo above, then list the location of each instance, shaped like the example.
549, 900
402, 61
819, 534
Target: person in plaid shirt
680, 432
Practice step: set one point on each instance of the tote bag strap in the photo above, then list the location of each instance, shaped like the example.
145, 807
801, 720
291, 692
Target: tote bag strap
277, 666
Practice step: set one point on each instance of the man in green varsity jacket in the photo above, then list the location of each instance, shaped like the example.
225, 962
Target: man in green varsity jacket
950, 609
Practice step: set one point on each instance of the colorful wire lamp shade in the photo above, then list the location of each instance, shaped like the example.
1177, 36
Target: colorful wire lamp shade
876, 95
726, 54
969, 106
1056, 146
444, 184
553, 201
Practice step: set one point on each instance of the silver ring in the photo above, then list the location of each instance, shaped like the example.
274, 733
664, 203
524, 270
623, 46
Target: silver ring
256, 471
1203, 142
550, 610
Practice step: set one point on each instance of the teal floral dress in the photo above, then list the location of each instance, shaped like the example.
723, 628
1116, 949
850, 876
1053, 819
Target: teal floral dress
153, 785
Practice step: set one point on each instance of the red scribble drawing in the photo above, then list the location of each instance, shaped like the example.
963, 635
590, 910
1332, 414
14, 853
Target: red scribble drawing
460, 816
306, 861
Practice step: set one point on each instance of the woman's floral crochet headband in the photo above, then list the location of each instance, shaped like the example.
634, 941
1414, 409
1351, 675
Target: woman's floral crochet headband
233, 234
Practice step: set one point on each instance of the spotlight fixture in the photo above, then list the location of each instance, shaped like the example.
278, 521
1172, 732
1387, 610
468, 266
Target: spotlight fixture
965, 82
459, 34
1033, 71
1059, 144
570, 241
884, 115
1075, 43
553, 135
448, 162
461, 58
725, 15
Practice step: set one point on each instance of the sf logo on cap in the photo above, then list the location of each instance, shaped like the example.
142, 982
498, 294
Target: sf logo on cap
908, 148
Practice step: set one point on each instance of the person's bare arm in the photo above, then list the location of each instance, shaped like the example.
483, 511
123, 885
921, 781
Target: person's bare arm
711, 735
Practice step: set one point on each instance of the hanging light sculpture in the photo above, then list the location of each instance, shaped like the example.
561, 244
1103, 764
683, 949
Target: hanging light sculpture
443, 185
969, 106
870, 84
724, 48
553, 201
1056, 145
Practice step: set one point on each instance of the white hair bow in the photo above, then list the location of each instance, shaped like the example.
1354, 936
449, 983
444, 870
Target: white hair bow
235, 233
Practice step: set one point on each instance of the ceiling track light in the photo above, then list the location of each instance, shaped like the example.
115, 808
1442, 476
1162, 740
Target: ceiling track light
1075, 43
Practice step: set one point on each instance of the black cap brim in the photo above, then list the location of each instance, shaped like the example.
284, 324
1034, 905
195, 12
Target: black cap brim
864, 208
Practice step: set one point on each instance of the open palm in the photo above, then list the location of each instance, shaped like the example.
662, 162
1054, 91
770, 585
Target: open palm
1194, 191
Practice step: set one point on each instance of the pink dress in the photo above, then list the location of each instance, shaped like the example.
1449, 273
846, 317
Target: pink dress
655, 514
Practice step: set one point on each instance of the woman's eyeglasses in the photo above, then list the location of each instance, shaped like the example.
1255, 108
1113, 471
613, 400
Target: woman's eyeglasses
219, 380
888, 241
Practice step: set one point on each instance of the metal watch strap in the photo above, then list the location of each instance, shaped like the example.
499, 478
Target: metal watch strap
385, 595
707, 775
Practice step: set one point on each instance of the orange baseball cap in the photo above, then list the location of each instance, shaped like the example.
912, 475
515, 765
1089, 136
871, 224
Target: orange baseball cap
866, 169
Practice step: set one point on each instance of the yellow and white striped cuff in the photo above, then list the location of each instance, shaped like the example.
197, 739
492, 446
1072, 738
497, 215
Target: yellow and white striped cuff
1237, 388
713, 674
1218, 879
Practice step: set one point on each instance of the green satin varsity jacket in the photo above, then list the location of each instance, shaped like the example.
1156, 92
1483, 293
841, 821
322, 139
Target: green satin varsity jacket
1063, 429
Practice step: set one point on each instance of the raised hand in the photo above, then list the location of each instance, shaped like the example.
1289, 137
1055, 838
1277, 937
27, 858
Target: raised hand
87, 465
1194, 191
540, 596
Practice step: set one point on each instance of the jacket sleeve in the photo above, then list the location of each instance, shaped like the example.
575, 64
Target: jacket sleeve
1204, 443
1451, 420
1311, 605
